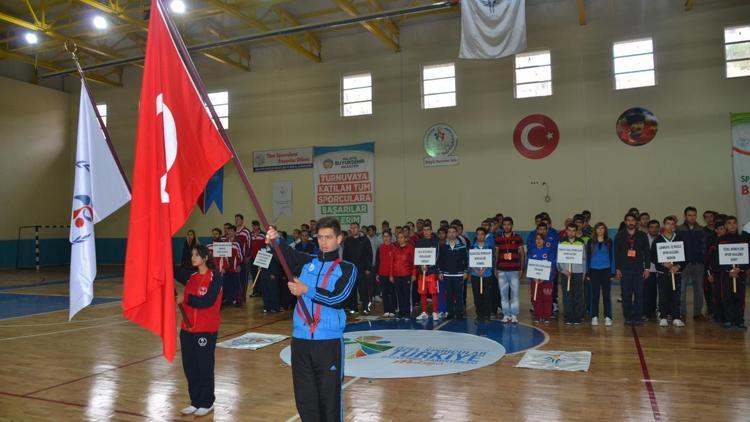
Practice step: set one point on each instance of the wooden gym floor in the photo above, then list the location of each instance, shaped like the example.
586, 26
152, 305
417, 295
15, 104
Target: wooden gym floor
101, 367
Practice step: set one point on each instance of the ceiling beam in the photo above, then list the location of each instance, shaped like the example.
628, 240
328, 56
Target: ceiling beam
94, 77
253, 22
47, 30
118, 11
373, 27
376, 6
312, 40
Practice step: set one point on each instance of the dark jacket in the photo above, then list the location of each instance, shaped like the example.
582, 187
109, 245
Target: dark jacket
732, 238
358, 251
638, 242
660, 268
695, 242
453, 260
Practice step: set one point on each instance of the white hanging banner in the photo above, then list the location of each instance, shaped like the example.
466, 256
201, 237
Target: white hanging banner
282, 199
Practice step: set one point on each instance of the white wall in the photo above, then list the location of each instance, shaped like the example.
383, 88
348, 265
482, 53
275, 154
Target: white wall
288, 101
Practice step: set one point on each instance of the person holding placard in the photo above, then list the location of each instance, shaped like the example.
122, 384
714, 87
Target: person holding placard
427, 275
571, 275
230, 266
404, 274
713, 272
669, 274
270, 279
384, 275
541, 288
601, 270
482, 278
510, 256
650, 284
632, 259
733, 247
453, 263
257, 241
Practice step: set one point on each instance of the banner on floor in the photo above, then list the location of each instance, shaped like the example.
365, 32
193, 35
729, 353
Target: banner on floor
556, 360
252, 341
413, 353
283, 159
344, 183
741, 158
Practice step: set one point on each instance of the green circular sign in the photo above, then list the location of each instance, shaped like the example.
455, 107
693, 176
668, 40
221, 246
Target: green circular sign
440, 140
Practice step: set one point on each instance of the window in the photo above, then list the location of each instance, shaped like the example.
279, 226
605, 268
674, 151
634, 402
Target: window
356, 95
737, 48
533, 74
220, 101
634, 63
439, 86
102, 109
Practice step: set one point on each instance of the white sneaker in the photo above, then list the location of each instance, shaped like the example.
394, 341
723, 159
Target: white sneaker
506, 319
188, 410
514, 319
678, 323
423, 316
595, 321
608, 321
435, 316
663, 322
203, 411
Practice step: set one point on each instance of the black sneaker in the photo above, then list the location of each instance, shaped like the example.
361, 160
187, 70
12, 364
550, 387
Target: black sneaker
741, 325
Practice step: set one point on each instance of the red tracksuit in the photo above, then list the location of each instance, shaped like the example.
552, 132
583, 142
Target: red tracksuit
402, 271
202, 317
384, 270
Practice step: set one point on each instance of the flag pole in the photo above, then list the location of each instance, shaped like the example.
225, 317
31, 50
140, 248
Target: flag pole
201, 89
74, 54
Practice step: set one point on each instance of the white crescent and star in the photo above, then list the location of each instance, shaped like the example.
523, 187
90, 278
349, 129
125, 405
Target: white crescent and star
525, 136
170, 143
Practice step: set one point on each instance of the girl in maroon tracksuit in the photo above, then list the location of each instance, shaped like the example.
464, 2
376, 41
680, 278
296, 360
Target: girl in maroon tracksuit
384, 275
201, 318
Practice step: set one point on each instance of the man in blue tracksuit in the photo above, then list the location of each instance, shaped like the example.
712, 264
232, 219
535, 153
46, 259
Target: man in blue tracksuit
453, 262
324, 284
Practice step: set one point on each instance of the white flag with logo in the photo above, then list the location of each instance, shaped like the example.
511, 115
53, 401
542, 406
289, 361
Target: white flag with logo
491, 29
99, 190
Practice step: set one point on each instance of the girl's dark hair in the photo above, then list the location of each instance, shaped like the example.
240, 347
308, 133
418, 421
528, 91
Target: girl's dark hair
204, 253
595, 237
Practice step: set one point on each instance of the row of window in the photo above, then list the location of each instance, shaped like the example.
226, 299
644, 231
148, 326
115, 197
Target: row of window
633, 68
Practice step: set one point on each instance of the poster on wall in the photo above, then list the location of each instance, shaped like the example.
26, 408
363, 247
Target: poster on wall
741, 159
282, 159
536, 136
440, 142
282, 199
637, 126
344, 183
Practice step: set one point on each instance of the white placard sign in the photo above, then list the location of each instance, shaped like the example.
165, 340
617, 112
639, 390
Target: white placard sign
262, 259
222, 249
424, 256
570, 254
480, 258
734, 254
538, 269
670, 251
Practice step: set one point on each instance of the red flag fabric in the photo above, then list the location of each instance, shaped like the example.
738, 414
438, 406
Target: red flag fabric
178, 148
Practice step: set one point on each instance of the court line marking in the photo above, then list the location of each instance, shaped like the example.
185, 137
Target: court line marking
61, 331
59, 310
53, 283
146, 359
67, 403
80, 321
647, 378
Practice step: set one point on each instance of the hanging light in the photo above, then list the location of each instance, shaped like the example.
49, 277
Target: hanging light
178, 6
100, 22
31, 38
